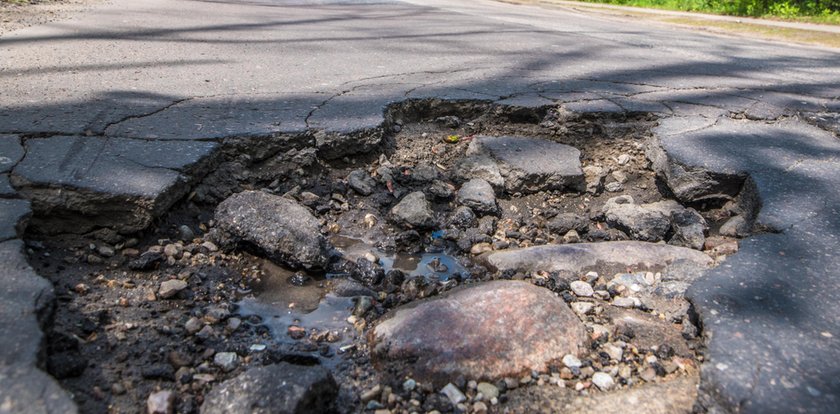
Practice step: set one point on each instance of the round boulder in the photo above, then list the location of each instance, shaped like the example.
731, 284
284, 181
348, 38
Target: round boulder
485, 332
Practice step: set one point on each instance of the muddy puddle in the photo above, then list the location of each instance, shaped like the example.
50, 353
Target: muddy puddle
433, 266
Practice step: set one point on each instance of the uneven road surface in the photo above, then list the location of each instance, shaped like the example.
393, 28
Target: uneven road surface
120, 103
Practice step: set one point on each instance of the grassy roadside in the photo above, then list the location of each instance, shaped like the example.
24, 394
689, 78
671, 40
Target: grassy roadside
741, 27
809, 11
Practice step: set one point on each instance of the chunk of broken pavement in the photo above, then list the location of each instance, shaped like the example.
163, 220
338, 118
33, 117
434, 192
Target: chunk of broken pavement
285, 231
478, 195
414, 211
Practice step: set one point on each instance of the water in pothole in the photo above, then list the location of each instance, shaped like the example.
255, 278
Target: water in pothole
433, 266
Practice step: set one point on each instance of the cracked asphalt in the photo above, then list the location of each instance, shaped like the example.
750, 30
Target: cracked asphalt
130, 99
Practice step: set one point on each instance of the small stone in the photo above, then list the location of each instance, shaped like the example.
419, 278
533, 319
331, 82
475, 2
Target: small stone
648, 374
615, 352
624, 159
487, 389
735, 227
623, 302
193, 325
361, 182
453, 393
185, 233
582, 288
572, 237
173, 250
479, 407
614, 187
582, 308
619, 176
414, 211
480, 248
371, 394
409, 385
105, 251
603, 380
571, 361
210, 246
161, 402
478, 195
227, 361
170, 288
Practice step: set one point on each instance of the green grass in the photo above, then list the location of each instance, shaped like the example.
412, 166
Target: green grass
812, 11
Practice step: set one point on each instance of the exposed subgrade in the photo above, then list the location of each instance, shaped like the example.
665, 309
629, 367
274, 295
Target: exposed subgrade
329, 254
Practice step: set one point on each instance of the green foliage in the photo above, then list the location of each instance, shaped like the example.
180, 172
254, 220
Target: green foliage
823, 11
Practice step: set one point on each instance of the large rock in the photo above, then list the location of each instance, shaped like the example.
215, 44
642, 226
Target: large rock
604, 258
279, 389
530, 165
478, 195
485, 332
285, 231
414, 211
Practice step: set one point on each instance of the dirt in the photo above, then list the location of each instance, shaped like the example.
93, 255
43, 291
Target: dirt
16, 14
115, 339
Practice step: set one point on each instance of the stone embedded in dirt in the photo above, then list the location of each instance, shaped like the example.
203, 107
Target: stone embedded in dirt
688, 226
646, 331
161, 402
582, 288
603, 380
487, 389
639, 222
453, 393
414, 211
566, 222
479, 166
463, 217
278, 389
530, 165
487, 332
170, 288
735, 227
281, 228
227, 361
604, 258
478, 195
361, 182
595, 176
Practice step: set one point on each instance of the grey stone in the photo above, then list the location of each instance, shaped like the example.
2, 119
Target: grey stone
604, 258
529, 164
487, 331
14, 216
161, 402
478, 195
479, 166
687, 225
281, 228
614, 187
78, 183
6, 189
639, 222
414, 211
26, 302
279, 388
170, 288
487, 389
736, 226
453, 393
463, 217
603, 380
227, 361
582, 288
361, 182
11, 152
565, 222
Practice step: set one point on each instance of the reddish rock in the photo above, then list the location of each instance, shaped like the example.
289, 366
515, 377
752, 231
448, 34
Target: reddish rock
485, 332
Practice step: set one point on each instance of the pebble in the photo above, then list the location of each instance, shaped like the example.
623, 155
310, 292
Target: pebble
453, 393
171, 288
624, 159
582, 308
614, 187
210, 246
193, 325
603, 380
173, 250
582, 288
615, 352
572, 237
161, 402
571, 361
409, 385
623, 302
487, 389
185, 233
479, 407
106, 251
371, 394
227, 361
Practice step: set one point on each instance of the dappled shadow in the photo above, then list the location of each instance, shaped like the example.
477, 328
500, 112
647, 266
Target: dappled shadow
766, 308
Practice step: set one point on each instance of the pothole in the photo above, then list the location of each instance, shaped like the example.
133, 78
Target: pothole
368, 265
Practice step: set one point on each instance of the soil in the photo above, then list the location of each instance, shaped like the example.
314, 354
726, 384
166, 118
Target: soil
16, 14
115, 339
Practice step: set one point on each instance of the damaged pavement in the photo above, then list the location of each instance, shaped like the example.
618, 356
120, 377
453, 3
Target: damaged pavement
95, 140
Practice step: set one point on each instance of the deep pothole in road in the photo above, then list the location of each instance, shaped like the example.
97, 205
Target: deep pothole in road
483, 258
